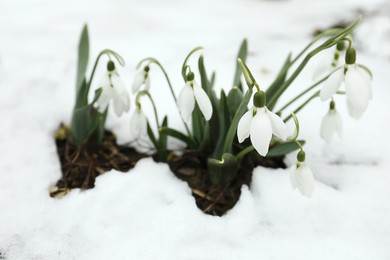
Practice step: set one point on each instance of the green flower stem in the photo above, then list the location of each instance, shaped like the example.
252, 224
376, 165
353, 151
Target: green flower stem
244, 152
327, 44
297, 129
303, 93
146, 93
155, 61
233, 126
185, 66
316, 94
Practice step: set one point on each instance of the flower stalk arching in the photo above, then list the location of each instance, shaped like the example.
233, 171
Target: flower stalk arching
146, 93
327, 44
155, 61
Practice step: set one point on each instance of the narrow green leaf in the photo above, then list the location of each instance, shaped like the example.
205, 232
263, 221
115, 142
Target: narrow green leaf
242, 54
83, 56
151, 136
178, 135
221, 171
234, 100
284, 148
224, 124
277, 83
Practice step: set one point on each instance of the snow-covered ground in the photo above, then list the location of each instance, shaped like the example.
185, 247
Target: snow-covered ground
148, 213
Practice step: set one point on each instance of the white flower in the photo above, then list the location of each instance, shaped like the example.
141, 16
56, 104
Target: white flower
357, 86
259, 123
190, 93
141, 79
331, 123
138, 124
329, 62
114, 89
302, 178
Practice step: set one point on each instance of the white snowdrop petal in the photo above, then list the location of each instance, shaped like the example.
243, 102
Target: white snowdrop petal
279, 128
261, 132
106, 95
244, 125
354, 112
119, 105
186, 102
121, 97
324, 67
338, 123
292, 173
332, 84
137, 124
138, 81
328, 127
203, 101
305, 180
358, 88
147, 83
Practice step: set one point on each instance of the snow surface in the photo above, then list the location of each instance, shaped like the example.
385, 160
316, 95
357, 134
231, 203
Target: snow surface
148, 213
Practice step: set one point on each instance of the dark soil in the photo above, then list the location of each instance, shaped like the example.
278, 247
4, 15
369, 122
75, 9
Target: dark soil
82, 164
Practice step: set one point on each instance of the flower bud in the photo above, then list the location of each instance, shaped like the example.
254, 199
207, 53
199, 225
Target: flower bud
147, 68
259, 99
332, 105
190, 76
301, 156
110, 65
350, 56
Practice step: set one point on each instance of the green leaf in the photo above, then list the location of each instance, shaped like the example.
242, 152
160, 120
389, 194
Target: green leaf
224, 124
162, 151
151, 136
234, 100
277, 83
284, 148
233, 126
221, 171
83, 56
242, 54
180, 136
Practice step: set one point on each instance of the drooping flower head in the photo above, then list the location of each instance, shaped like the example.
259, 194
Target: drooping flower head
301, 177
331, 124
357, 85
190, 93
138, 123
259, 123
113, 88
141, 80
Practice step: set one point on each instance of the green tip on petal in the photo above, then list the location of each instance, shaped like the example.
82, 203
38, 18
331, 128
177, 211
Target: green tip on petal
332, 105
259, 99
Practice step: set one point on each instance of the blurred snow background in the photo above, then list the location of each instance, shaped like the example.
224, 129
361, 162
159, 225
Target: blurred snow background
149, 214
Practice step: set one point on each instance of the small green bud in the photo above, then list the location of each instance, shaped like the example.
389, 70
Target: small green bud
190, 76
259, 99
340, 46
350, 56
146, 69
301, 156
110, 65
332, 105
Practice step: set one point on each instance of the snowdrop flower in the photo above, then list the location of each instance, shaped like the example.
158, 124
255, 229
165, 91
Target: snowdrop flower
113, 89
329, 62
141, 79
331, 123
357, 85
190, 93
259, 123
301, 176
138, 123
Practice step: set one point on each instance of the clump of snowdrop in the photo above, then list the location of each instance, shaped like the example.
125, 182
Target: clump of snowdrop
191, 93
331, 123
113, 89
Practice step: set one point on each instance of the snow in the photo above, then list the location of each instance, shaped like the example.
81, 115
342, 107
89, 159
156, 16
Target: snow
149, 213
